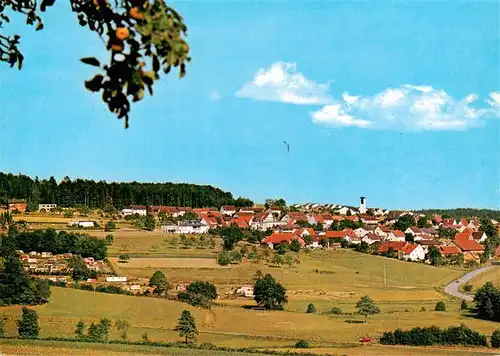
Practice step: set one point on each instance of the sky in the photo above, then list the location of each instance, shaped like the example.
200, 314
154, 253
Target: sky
395, 101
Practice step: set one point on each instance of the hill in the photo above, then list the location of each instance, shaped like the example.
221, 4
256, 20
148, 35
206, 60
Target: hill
101, 194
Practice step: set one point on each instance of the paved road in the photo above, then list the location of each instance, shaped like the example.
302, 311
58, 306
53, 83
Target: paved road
454, 287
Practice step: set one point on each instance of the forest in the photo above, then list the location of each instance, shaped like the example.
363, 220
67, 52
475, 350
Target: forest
103, 195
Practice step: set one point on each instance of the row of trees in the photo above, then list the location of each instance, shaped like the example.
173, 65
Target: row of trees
103, 195
50, 240
433, 335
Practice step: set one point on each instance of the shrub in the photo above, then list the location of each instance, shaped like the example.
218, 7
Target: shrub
467, 287
311, 309
123, 258
301, 344
495, 339
463, 305
224, 258
28, 324
87, 287
440, 306
110, 226
336, 311
2, 327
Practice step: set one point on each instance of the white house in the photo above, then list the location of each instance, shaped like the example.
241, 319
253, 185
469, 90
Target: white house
413, 230
116, 279
135, 209
344, 210
186, 227
382, 231
264, 221
396, 235
371, 238
228, 210
414, 252
360, 231
82, 224
46, 207
479, 236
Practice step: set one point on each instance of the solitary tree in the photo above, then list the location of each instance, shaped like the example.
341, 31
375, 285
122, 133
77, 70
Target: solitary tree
122, 326
187, 326
440, 306
295, 246
28, 324
79, 270
80, 329
311, 309
160, 283
136, 33
366, 306
269, 293
110, 226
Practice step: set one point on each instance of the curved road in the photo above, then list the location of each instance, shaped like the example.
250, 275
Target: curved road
454, 287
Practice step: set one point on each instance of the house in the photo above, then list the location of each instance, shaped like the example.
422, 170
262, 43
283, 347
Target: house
479, 236
470, 248
209, 220
116, 279
413, 252
352, 238
315, 242
371, 238
352, 218
327, 219
135, 209
241, 222
382, 231
361, 231
316, 219
293, 217
282, 237
305, 231
82, 224
17, 205
449, 250
368, 219
46, 207
246, 291
248, 210
426, 244
396, 235
395, 246
345, 210
413, 230
228, 210
429, 231
264, 221
187, 227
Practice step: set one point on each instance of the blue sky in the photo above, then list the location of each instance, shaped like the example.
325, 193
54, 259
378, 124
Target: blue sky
394, 101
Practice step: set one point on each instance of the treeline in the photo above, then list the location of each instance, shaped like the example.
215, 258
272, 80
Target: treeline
433, 335
50, 240
463, 213
103, 195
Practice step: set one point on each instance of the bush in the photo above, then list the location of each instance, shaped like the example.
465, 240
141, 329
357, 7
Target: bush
110, 226
463, 305
28, 325
302, 344
440, 306
123, 258
88, 287
467, 287
336, 311
311, 309
495, 339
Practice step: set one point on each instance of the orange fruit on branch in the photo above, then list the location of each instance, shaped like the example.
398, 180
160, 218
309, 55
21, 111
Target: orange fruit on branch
135, 14
122, 33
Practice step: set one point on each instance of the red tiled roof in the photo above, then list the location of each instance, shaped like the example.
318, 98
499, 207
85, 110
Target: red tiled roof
384, 228
279, 237
395, 245
297, 216
327, 216
415, 229
320, 219
477, 235
429, 242
398, 233
463, 235
450, 250
334, 234
352, 218
372, 236
468, 245
409, 248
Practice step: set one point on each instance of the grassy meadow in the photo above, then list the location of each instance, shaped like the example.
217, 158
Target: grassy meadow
492, 275
405, 292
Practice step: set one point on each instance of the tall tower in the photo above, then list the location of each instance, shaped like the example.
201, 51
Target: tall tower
362, 206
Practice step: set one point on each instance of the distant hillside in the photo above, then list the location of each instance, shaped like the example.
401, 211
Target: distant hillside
464, 212
80, 192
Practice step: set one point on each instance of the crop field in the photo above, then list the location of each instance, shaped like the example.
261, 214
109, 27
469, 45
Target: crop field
492, 275
155, 263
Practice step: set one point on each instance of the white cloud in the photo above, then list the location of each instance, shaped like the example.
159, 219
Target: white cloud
215, 95
408, 108
281, 82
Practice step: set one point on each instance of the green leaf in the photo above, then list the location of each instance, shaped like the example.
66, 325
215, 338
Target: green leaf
95, 83
91, 61
156, 64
